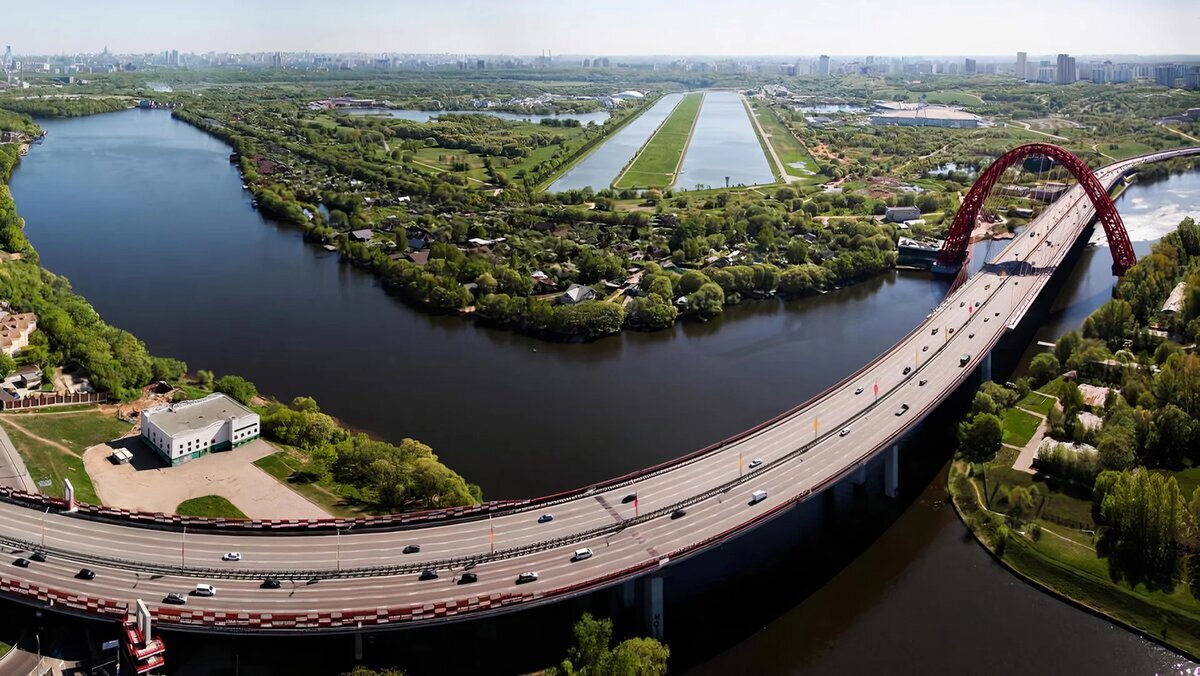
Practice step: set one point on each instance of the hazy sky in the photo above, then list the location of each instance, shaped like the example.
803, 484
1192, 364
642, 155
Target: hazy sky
618, 27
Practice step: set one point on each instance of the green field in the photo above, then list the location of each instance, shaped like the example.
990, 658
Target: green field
796, 160
47, 462
657, 163
1019, 427
211, 506
1038, 402
77, 431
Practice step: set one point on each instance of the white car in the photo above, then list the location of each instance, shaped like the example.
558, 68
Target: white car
755, 463
844, 432
206, 590
232, 556
581, 554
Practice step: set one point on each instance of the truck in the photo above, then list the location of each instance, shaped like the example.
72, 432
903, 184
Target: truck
757, 497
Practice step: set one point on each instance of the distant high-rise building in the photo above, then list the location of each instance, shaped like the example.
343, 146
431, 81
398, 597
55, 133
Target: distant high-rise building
1164, 75
1066, 69
969, 67
1021, 69
8, 59
823, 66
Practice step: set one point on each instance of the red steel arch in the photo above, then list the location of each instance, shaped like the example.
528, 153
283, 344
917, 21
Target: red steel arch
955, 247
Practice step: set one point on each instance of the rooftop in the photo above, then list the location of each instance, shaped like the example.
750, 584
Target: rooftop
194, 415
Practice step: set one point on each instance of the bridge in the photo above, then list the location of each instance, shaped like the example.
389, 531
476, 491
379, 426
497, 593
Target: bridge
346, 575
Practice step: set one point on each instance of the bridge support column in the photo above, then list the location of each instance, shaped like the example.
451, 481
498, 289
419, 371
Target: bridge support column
985, 368
628, 594
358, 650
653, 590
891, 471
859, 476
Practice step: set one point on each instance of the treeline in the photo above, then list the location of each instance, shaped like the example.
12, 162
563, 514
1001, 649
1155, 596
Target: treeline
64, 107
391, 477
12, 121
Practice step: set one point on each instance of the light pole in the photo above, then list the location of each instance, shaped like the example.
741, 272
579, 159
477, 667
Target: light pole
339, 548
183, 549
44, 527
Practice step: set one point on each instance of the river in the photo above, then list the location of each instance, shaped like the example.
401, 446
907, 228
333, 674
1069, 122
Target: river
148, 219
597, 117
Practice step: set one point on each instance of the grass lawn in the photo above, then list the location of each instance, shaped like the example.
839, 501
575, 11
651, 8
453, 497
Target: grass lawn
209, 505
1019, 427
796, 160
286, 466
4, 648
1036, 401
656, 163
46, 462
77, 431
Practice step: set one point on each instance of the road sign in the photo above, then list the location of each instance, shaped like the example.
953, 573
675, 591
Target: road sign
110, 645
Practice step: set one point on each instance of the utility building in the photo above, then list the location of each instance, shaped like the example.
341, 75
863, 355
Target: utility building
191, 429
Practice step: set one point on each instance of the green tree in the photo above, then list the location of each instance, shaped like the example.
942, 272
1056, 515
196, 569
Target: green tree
640, 656
305, 405
1044, 368
7, 366
979, 438
165, 368
205, 378
707, 302
592, 654
1113, 322
237, 387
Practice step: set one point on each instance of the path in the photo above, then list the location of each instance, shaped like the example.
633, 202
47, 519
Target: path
49, 442
1181, 133
1024, 462
1031, 130
983, 505
1095, 146
12, 468
779, 168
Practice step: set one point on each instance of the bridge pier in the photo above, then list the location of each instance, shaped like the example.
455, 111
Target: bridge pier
891, 471
859, 476
985, 368
653, 592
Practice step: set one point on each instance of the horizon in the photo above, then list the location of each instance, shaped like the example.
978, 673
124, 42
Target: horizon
758, 29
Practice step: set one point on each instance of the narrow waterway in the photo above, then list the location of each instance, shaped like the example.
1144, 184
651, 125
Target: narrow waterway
724, 147
602, 165
596, 117
147, 218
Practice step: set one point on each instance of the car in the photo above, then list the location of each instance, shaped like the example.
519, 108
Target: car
581, 554
545, 518
922, 383
962, 303
1032, 233
755, 463
527, 577
903, 409
628, 498
175, 597
428, 574
924, 348
950, 330
679, 513
86, 574
757, 497
468, 578
907, 370
38, 556
934, 332
985, 319
963, 359
844, 432
232, 556
206, 590
997, 314
976, 303
412, 549
986, 287
970, 335
21, 563
270, 583
858, 390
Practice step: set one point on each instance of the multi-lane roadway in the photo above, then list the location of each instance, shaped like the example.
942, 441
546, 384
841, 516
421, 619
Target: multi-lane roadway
368, 572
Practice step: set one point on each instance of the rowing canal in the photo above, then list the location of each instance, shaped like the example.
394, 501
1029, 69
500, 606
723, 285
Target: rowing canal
147, 218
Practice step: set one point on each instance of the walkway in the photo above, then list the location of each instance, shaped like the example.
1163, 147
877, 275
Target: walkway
1025, 460
12, 468
779, 168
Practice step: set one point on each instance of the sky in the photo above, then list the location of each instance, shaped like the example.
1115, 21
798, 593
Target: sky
616, 27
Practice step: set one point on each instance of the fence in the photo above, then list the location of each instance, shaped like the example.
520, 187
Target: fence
41, 400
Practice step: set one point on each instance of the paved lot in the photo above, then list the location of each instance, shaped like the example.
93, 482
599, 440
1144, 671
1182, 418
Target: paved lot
150, 485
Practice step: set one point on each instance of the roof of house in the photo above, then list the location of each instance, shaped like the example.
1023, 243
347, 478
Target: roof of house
188, 416
365, 234
578, 292
1175, 300
418, 257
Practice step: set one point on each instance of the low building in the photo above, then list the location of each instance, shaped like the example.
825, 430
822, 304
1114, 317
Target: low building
364, 235
15, 330
577, 293
901, 214
1175, 300
926, 116
191, 429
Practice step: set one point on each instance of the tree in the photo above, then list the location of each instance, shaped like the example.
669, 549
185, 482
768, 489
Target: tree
205, 378
165, 368
707, 302
641, 656
1044, 368
591, 655
305, 405
1113, 322
1172, 436
237, 387
980, 437
691, 281
7, 365
1067, 346
1020, 502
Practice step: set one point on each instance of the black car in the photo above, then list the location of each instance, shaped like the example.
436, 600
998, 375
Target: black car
903, 409
86, 574
21, 563
907, 370
679, 513
270, 583
428, 574
412, 549
38, 556
468, 578
922, 383
174, 597
628, 498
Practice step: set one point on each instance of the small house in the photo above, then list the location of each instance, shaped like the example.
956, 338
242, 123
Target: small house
577, 293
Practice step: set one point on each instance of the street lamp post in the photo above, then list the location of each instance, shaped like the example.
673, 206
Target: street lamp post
44, 527
183, 549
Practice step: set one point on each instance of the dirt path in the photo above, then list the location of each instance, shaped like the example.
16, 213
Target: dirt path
1095, 146
54, 444
1181, 133
1031, 130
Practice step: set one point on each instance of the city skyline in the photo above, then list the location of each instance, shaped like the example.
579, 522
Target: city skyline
624, 28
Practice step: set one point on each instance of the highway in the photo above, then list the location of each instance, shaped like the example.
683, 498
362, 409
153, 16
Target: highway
366, 576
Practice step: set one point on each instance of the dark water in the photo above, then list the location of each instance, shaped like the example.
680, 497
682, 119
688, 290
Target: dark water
724, 147
597, 117
602, 165
147, 218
